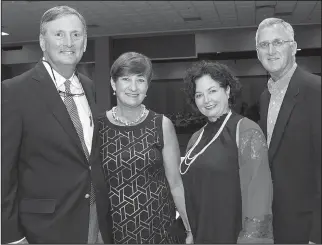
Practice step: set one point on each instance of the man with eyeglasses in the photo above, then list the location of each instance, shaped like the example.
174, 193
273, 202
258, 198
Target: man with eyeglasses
53, 188
290, 110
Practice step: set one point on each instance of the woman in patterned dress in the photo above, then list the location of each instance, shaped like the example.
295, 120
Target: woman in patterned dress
140, 158
226, 176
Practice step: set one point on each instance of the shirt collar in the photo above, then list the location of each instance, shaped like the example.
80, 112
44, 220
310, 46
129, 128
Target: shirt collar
60, 80
282, 83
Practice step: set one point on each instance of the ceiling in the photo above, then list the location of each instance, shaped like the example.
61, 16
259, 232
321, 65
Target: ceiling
123, 18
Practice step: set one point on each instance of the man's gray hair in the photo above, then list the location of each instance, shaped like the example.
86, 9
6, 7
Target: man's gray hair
57, 12
276, 21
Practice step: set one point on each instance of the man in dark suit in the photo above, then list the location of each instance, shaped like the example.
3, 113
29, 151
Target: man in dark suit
53, 188
291, 119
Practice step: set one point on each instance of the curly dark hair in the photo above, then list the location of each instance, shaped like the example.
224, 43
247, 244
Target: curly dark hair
218, 72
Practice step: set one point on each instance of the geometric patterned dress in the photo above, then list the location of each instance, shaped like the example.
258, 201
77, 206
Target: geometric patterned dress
141, 202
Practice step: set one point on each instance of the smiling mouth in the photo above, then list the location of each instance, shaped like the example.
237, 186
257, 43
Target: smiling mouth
272, 59
132, 95
210, 107
68, 52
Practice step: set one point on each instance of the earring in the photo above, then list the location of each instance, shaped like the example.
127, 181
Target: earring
114, 93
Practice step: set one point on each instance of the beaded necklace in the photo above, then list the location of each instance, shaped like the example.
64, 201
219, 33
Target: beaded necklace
189, 160
116, 118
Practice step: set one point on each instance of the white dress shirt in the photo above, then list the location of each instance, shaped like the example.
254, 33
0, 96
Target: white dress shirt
81, 102
277, 90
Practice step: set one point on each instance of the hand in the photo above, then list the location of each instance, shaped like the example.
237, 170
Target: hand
189, 238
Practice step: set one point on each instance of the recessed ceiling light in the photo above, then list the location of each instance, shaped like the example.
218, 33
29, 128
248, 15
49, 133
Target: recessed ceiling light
187, 19
92, 26
299, 49
4, 34
283, 14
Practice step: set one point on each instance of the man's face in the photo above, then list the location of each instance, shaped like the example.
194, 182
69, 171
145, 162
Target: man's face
64, 41
280, 59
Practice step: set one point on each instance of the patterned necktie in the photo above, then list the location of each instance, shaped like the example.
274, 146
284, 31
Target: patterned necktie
73, 113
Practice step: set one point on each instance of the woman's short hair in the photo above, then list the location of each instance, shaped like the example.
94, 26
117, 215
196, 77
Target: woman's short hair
57, 12
132, 63
218, 72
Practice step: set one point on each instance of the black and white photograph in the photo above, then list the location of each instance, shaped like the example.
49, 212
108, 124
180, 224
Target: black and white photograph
160, 122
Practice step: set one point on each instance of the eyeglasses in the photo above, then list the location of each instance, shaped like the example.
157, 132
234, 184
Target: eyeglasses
276, 43
62, 93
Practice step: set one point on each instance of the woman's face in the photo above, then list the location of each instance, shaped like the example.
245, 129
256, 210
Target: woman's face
130, 89
210, 98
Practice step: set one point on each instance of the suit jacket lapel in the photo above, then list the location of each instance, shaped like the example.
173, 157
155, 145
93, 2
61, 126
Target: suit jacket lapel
288, 104
91, 102
49, 94
263, 111
88, 88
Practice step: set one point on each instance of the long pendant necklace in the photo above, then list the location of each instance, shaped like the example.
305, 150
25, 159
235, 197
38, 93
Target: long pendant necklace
116, 118
189, 160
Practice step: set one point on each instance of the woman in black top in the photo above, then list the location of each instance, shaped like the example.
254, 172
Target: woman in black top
226, 176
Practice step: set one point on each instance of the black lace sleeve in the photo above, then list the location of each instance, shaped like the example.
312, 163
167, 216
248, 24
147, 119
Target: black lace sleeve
256, 185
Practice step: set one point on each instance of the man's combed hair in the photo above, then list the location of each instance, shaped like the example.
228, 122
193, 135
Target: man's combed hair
57, 12
275, 21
